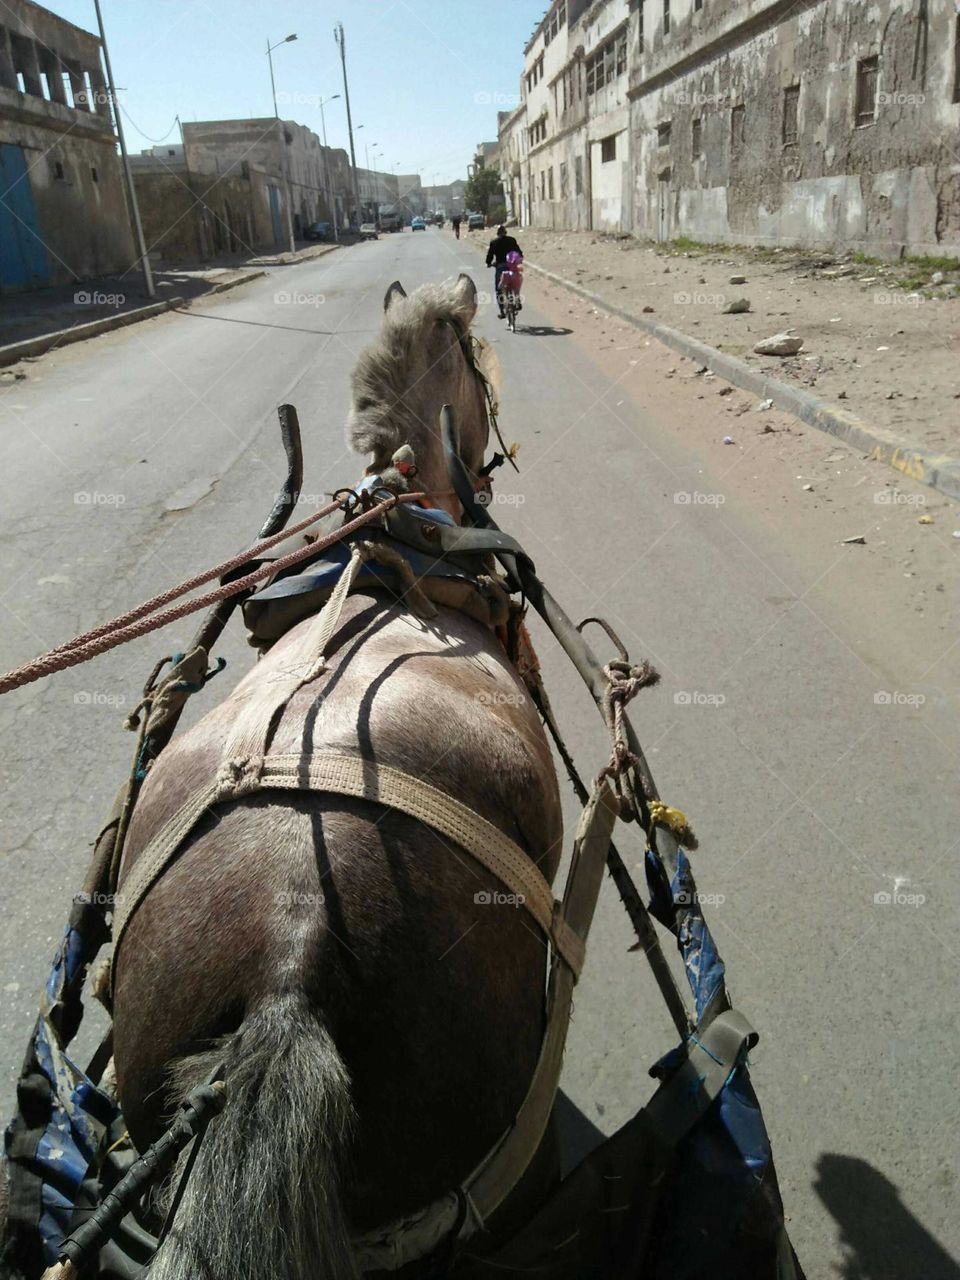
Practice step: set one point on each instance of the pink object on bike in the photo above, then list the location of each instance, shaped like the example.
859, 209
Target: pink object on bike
511, 278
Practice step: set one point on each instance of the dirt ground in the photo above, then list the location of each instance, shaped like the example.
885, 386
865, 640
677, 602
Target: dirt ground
827, 499
883, 338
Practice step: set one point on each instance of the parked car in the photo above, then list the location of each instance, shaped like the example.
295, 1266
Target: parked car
319, 231
368, 231
476, 222
418, 224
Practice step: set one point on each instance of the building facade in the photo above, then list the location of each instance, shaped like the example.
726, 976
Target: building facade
805, 122
63, 209
819, 122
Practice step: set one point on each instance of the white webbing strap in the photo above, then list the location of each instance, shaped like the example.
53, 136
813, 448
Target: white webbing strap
486, 1189
351, 776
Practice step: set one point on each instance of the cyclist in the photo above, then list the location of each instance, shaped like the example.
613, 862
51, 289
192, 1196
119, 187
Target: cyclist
500, 246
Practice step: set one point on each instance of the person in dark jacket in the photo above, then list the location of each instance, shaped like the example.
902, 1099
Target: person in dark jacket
500, 246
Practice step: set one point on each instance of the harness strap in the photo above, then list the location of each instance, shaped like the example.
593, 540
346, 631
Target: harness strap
405, 1241
352, 776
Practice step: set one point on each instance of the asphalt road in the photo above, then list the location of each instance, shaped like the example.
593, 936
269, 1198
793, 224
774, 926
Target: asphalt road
806, 725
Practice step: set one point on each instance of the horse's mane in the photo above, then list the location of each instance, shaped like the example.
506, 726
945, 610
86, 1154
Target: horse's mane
386, 382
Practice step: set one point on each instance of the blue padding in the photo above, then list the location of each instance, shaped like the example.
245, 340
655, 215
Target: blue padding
677, 906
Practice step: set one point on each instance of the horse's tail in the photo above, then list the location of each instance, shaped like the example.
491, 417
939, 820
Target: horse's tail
262, 1200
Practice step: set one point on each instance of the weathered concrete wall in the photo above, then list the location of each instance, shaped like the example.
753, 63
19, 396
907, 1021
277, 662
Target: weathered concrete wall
291, 153
195, 217
61, 120
887, 185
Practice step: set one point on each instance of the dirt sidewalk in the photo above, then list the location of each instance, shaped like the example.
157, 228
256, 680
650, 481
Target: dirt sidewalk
883, 339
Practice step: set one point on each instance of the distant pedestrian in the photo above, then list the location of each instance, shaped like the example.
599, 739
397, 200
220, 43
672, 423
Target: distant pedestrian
455, 223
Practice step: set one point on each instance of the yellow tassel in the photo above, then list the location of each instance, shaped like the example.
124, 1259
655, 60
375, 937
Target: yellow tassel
667, 817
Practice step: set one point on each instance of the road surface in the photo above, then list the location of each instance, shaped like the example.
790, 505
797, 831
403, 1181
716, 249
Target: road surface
806, 720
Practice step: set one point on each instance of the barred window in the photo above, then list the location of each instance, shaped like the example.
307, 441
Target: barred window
868, 77
791, 115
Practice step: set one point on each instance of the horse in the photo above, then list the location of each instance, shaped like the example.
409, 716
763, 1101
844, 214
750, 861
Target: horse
376, 1014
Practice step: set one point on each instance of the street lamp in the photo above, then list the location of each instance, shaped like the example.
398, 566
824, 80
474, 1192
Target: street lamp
280, 140
326, 164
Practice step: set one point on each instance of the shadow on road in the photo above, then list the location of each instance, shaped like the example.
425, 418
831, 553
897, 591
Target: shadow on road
543, 331
578, 1135
881, 1237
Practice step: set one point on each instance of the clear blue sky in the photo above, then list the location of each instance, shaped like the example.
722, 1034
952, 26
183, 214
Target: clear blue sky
426, 76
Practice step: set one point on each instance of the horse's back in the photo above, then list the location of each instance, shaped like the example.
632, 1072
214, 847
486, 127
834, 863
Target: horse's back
387, 926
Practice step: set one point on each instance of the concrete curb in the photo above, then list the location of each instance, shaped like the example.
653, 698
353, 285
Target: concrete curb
939, 471
45, 342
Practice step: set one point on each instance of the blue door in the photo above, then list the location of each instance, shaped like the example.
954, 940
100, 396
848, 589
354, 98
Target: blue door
23, 257
275, 216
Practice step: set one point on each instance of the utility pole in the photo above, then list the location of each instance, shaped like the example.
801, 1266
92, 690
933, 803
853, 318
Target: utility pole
326, 164
131, 190
281, 140
341, 41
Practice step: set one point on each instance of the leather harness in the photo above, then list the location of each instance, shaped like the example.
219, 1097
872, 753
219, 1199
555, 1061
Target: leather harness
247, 766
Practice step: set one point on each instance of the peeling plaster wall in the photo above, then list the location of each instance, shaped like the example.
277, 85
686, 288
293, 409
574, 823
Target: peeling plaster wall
61, 120
886, 187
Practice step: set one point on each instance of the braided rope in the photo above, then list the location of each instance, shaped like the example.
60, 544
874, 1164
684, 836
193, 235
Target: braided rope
134, 623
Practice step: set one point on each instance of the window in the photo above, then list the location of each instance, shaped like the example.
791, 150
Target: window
697, 138
868, 75
640, 25
664, 131
621, 53
791, 113
543, 185
607, 63
58, 171
564, 180
666, 17
697, 6
608, 149
956, 62
550, 191
578, 175
738, 127
93, 173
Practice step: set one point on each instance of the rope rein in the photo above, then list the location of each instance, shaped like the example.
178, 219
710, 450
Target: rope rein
136, 622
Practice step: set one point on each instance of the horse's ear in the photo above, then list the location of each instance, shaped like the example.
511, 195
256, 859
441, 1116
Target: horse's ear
395, 291
465, 295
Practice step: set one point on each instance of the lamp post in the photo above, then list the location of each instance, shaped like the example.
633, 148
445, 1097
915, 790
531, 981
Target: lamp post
326, 164
131, 190
340, 38
281, 141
